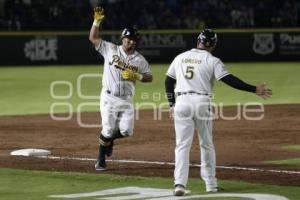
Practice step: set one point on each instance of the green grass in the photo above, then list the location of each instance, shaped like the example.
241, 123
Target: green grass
26, 90
37, 185
292, 147
280, 77
289, 162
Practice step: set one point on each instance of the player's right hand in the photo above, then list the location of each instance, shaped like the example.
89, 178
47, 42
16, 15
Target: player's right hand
98, 14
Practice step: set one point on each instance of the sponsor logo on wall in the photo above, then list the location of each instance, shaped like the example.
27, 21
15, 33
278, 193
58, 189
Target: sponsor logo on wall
41, 49
153, 44
285, 43
263, 43
289, 44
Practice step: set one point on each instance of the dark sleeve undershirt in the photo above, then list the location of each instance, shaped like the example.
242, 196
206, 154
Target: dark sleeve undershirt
238, 83
170, 85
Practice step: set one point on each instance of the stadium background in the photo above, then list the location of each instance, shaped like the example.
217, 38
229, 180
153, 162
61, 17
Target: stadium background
47, 41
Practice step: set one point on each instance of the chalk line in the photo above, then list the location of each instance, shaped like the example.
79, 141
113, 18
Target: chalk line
172, 164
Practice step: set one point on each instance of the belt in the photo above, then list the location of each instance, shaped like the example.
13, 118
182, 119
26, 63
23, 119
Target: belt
187, 93
109, 92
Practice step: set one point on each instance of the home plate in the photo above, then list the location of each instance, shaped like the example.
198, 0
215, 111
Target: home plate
30, 152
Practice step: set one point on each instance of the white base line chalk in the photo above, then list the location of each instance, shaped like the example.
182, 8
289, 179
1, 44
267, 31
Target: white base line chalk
172, 164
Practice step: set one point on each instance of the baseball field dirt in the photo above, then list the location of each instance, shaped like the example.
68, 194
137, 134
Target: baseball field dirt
239, 143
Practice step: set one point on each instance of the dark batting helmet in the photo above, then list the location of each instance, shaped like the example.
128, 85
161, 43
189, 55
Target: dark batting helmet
131, 33
208, 38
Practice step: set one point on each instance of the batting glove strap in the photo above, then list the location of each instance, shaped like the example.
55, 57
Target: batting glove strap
96, 23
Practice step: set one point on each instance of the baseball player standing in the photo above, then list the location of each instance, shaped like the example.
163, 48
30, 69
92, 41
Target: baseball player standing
123, 66
193, 72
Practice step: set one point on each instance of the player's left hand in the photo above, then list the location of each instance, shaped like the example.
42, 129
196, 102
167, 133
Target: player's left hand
130, 75
263, 91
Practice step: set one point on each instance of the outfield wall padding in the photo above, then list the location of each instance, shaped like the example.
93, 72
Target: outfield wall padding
48, 48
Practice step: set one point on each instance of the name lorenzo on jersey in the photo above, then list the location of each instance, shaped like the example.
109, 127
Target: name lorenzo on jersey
120, 64
191, 61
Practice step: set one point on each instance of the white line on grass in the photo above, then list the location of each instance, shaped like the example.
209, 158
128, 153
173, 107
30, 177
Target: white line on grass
172, 164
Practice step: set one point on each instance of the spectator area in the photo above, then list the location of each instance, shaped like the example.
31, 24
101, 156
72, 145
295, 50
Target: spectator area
48, 15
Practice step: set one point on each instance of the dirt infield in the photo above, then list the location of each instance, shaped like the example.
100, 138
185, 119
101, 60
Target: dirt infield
241, 143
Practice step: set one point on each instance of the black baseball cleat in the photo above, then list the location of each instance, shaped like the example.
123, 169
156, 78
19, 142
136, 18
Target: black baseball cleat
109, 149
101, 163
100, 166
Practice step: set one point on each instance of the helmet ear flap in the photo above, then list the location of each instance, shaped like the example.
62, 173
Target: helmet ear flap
120, 39
123, 34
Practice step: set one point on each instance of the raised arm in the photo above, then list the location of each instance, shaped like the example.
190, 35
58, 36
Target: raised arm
94, 36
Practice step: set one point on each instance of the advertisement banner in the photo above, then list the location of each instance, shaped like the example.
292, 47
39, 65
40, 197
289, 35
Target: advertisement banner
56, 49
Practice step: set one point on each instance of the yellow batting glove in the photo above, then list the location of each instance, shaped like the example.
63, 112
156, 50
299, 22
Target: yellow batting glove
130, 75
98, 16
125, 75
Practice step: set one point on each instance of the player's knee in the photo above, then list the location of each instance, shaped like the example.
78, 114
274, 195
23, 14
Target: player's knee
207, 146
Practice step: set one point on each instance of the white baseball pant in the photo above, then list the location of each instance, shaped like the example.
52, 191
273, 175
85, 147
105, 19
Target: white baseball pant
116, 113
192, 112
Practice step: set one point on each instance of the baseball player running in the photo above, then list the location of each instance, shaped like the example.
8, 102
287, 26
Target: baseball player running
123, 66
193, 72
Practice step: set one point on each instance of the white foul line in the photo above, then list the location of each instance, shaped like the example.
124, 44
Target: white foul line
172, 164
